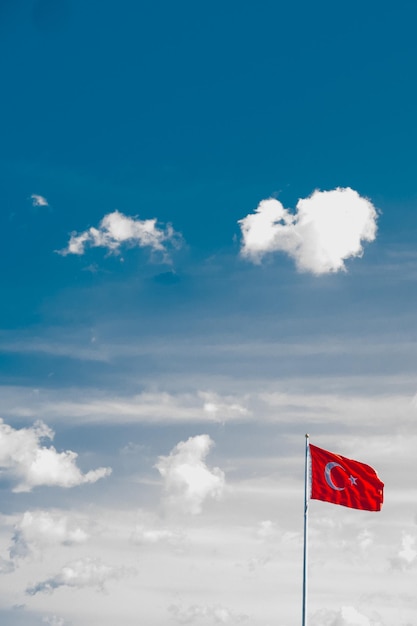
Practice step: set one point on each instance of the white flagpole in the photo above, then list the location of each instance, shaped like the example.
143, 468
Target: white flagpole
306, 498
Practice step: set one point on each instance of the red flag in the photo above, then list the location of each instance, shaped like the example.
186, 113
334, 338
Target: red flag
339, 480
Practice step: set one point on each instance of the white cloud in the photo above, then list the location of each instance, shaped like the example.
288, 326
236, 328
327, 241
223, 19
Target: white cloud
39, 200
33, 465
349, 399
327, 228
146, 406
269, 532
346, 616
407, 555
116, 228
266, 529
197, 613
79, 574
6, 566
365, 539
220, 408
54, 620
38, 529
154, 536
188, 480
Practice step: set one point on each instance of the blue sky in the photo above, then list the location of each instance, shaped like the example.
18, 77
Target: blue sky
166, 340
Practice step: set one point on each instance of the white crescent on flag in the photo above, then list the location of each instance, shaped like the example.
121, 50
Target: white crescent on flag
328, 475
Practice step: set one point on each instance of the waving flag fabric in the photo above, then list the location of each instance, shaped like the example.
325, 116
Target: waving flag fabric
339, 480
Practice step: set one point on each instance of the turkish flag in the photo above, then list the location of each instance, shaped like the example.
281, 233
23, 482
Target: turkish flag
339, 480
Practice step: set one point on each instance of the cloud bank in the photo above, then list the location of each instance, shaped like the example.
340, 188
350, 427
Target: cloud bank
188, 480
33, 465
327, 228
116, 229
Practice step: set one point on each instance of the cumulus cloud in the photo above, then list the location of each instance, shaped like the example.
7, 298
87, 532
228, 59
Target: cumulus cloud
39, 200
196, 613
39, 529
116, 229
327, 228
32, 464
79, 574
188, 480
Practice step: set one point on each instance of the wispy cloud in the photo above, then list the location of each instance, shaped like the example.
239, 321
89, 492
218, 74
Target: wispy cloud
407, 555
153, 536
327, 228
38, 200
79, 574
222, 408
39, 529
188, 480
53, 620
148, 406
346, 616
345, 400
196, 612
33, 465
116, 229
6, 566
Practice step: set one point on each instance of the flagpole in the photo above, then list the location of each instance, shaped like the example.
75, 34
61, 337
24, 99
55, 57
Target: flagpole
306, 497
